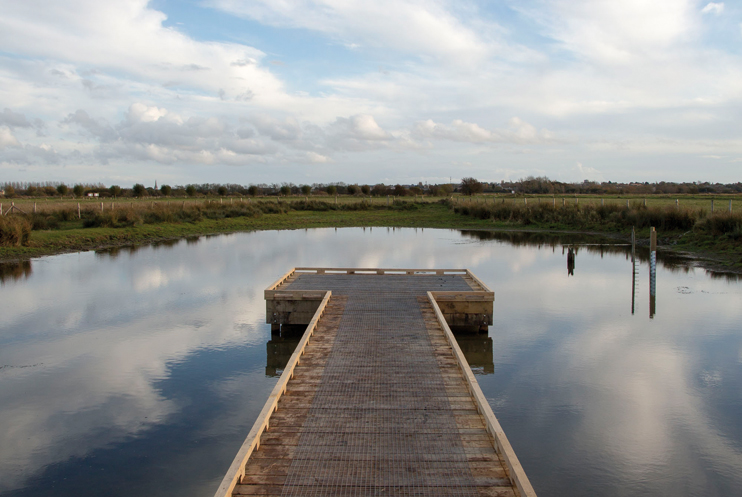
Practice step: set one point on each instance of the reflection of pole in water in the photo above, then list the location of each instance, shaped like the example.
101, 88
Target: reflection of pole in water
633, 269
571, 262
652, 272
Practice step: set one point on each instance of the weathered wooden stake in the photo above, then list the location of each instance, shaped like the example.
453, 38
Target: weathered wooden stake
101, 206
712, 205
677, 204
652, 272
730, 205
627, 203
34, 207
78, 211
602, 202
645, 202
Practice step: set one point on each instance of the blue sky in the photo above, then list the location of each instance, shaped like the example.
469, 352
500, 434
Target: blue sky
388, 91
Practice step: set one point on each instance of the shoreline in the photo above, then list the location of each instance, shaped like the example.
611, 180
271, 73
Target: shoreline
63, 241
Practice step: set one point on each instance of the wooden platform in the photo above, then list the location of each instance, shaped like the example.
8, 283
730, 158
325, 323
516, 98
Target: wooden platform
377, 398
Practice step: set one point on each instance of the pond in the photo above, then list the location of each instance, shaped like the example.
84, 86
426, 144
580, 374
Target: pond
139, 371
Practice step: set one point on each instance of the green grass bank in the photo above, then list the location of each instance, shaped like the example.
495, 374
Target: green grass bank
715, 236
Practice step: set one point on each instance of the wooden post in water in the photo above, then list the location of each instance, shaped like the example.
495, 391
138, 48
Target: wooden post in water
633, 269
652, 272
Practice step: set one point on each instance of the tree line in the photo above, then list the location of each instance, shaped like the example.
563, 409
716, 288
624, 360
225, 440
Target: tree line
467, 186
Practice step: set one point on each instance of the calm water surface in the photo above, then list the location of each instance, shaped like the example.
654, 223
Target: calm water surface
140, 371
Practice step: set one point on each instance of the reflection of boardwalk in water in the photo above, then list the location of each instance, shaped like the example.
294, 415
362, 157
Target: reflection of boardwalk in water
379, 402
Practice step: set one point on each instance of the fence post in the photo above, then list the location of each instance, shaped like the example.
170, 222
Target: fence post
1, 210
78, 211
712, 206
730, 205
645, 202
602, 202
387, 200
101, 206
677, 204
627, 203
34, 207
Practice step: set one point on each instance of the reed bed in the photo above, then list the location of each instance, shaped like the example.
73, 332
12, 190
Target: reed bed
605, 217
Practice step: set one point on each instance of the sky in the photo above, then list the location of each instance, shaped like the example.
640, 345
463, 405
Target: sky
390, 91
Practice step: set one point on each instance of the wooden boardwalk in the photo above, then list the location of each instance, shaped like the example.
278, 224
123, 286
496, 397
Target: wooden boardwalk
377, 399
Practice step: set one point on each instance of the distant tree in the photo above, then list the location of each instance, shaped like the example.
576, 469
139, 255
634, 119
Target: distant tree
446, 190
434, 190
306, 189
115, 190
62, 189
470, 186
9, 191
365, 189
416, 190
31, 191
285, 190
190, 190
379, 189
400, 191
252, 190
139, 190
78, 190
353, 189
49, 191
331, 190
166, 190
222, 190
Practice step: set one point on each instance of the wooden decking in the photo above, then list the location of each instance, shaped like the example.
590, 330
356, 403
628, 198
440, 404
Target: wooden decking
377, 399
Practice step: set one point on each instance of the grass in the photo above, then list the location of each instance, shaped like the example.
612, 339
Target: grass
61, 230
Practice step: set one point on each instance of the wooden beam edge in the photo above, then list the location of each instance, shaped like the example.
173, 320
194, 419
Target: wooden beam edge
237, 468
517, 473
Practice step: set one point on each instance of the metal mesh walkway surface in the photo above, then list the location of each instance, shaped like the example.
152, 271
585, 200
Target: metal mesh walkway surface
377, 405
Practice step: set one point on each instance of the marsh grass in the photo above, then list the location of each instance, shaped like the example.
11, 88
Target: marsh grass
15, 231
610, 217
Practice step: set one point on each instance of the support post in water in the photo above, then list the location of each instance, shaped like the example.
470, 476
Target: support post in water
633, 268
652, 272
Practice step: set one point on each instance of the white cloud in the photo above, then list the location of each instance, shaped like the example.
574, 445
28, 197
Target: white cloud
518, 131
420, 28
7, 139
713, 8
586, 173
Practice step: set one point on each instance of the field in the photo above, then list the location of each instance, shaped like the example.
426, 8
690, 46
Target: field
700, 202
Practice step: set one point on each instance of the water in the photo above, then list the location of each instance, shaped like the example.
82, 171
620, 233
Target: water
140, 371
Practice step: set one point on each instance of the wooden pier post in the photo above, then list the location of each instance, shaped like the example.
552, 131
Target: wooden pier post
652, 272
